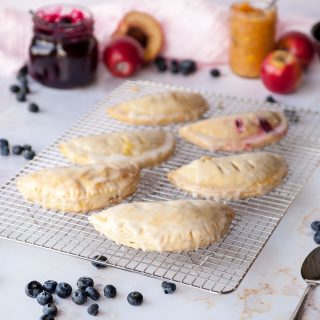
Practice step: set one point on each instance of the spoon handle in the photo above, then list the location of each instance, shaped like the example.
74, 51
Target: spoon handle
298, 311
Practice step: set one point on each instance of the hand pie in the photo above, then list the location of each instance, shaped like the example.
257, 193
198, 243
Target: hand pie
237, 132
231, 178
80, 189
178, 225
144, 147
160, 109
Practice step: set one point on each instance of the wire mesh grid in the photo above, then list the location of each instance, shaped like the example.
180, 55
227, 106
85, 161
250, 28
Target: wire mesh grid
218, 268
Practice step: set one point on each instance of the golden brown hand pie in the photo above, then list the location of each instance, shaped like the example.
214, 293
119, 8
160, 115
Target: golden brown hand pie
237, 132
144, 147
178, 225
80, 189
233, 177
160, 109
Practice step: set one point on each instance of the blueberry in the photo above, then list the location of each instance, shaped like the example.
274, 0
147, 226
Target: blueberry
50, 310
63, 290
79, 297
17, 150
29, 154
50, 286
25, 86
47, 317
315, 225
135, 298
271, 99
316, 237
4, 151
174, 66
23, 71
100, 258
14, 88
215, 73
109, 291
4, 143
21, 96
27, 147
161, 64
93, 293
33, 107
44, 297
187, 67
168, 287
93, 309
85, 282
33, 288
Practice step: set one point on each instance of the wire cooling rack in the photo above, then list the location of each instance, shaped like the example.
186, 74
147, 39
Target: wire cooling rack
218, 268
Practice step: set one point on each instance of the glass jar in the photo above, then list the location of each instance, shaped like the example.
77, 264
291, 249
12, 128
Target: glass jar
63, 52
252, 29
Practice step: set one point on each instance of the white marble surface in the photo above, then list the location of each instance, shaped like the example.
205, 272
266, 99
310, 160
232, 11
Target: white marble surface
269, 291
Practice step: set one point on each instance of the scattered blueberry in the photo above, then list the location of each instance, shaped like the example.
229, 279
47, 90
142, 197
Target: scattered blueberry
161, 64
135, 298
4, 151
174, 66
29, 154
100, 258
79, 297
25, 86
316, 237
33, 288
44, 297
27, 147
215, 73
109, 291
93, 309
84, 282
187, 67
33, 107
168, 287
271, 99
50, 286
23, 71
50, 310
17, 150
14, 88
315, 225
4, 143
21, 96
47, 317
63, 290
93, 293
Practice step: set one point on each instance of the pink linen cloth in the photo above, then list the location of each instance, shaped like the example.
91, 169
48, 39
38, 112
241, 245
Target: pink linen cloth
193, 29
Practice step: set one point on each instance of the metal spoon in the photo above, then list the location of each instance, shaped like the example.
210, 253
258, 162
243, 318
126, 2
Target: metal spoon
310, 272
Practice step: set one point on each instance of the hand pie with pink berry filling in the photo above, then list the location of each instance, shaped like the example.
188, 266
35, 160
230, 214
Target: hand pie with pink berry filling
238, 132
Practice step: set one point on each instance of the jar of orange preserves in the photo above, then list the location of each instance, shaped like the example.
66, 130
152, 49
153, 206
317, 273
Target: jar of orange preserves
252, 29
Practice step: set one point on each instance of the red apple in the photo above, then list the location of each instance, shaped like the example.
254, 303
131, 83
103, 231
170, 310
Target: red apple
123, 56
281, 72
298, 44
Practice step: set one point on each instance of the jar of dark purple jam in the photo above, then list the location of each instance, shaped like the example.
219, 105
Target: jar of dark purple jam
63, 52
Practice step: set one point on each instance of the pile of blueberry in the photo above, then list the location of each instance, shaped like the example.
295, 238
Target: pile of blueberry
22, 89
25, 150
43, 293
315, 226
185, 67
